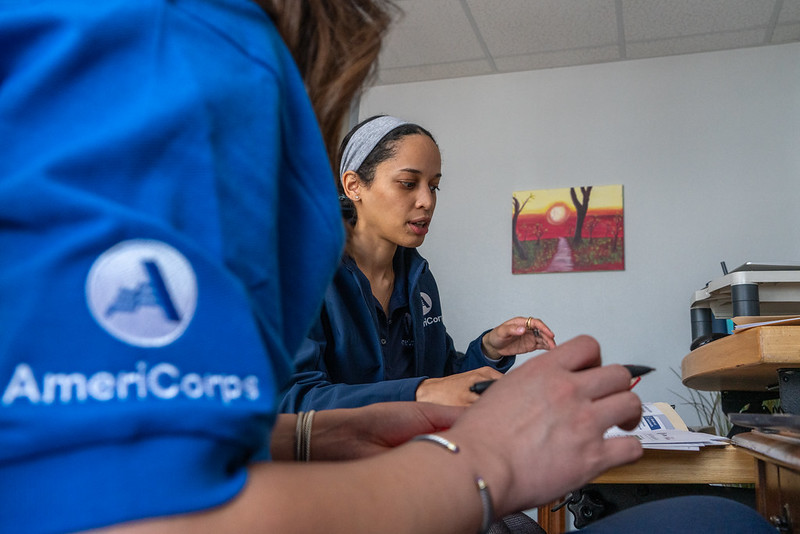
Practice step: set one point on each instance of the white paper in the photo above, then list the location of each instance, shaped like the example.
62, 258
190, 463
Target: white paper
656, 431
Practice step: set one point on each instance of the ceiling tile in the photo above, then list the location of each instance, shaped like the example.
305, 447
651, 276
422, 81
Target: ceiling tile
564, 58
790, 12
698, 43
525, 27
659, 19
430, 31
455, 38
786, 33
434, 72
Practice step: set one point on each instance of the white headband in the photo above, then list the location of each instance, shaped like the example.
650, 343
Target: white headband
364, 140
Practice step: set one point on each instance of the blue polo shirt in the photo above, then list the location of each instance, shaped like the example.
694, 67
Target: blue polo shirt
343, 364
168, 226
396, 331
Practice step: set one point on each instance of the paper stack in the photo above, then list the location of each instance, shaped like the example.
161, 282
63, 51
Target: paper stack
662, 428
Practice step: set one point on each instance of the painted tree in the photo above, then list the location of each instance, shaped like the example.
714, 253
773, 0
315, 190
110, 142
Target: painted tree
618, 224
591, 223
581, 207
539, 230
521, 252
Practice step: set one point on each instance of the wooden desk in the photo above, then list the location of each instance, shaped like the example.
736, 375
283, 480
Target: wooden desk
778, 485
746, 361
709, 465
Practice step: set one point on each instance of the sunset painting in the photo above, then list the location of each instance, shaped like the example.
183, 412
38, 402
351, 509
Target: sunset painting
568, 230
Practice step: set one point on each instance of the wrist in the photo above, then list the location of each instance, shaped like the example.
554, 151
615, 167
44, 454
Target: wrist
331, 436
489, 353
302, 441
282, 439
425, 390
486, 464
487, 513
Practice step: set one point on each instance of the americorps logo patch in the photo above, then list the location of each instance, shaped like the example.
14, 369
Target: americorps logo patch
427, 303
142, 292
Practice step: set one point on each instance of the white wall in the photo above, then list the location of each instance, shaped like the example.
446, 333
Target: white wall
707, 147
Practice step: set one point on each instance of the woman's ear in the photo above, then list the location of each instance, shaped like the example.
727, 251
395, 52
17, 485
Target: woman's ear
351, 185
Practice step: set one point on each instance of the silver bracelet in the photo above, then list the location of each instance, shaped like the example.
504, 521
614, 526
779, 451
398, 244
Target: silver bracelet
307, 436
439, 440
302, 436
298, 436
486, 503
483, 489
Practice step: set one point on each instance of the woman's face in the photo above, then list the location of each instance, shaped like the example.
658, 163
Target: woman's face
398, 205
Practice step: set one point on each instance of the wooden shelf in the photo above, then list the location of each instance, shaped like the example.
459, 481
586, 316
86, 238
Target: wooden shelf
744, 361
778, 477
766, 447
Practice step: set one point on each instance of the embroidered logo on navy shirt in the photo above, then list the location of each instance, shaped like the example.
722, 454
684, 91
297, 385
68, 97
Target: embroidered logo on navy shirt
142, 292
427, 303
427, 306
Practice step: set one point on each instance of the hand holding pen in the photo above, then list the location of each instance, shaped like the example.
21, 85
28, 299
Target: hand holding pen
571, 399
636, 371
480, 387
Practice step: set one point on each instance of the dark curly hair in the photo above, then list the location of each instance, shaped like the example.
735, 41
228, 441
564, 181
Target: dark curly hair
385, 149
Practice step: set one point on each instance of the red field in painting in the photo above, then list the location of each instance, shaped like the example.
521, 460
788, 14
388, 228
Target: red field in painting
545, 247
597, 224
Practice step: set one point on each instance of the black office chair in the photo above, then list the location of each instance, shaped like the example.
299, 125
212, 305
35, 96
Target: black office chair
518, 523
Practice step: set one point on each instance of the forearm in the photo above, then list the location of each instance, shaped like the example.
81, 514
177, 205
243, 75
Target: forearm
415, 488
419, 487
282, 445
350, 434
324, 395
536, 435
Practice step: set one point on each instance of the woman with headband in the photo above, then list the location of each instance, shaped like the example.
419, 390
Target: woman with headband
380, 336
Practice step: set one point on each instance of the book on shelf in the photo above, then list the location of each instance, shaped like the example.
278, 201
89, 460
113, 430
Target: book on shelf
662, 428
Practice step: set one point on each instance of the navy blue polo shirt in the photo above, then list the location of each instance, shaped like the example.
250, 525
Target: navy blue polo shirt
395, 329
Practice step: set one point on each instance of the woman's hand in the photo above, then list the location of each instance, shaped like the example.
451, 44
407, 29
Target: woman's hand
454, 389
517, 336
540, 429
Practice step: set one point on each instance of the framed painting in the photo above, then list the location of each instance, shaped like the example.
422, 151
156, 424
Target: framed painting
567, 230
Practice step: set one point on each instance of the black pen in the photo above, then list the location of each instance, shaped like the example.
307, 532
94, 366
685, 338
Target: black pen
480, 387
635, 371
638, 370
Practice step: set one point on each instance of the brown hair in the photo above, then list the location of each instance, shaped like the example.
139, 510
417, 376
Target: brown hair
335, 44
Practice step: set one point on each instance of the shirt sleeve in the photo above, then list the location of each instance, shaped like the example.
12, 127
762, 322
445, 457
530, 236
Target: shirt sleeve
475, 358
311, 387
142, 271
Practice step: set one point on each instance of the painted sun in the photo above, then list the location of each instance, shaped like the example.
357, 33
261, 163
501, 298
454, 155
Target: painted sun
557, 213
